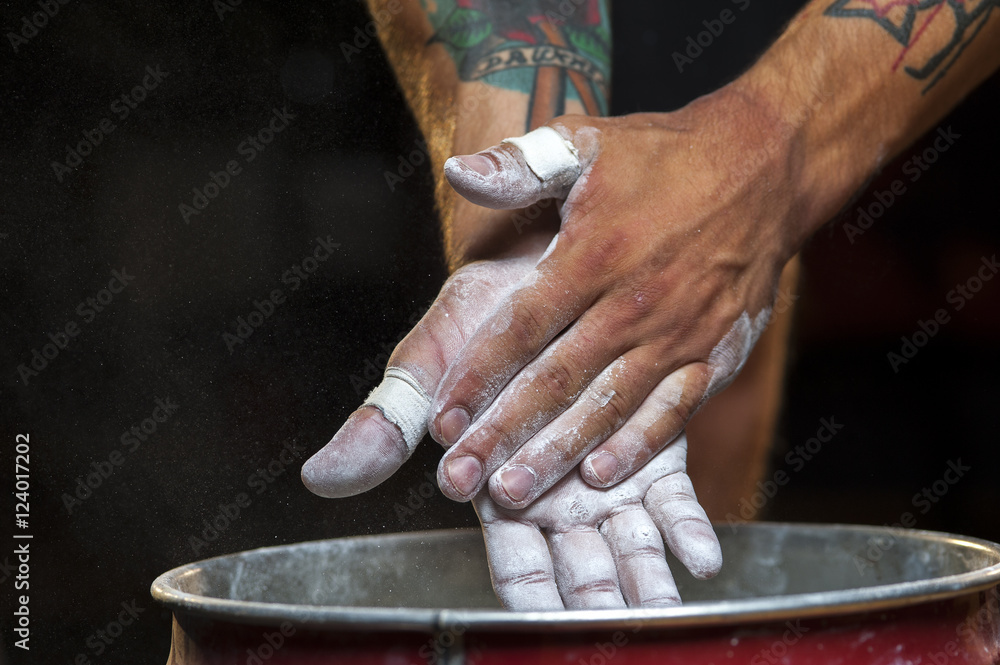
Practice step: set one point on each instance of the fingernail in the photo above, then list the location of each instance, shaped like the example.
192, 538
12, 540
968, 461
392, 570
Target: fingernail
481, 165
604, 466
465, 473
453, 425
517, 481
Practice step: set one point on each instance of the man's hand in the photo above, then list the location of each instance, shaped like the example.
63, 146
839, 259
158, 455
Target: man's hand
593, 533
369, 448
584, 548
672, 242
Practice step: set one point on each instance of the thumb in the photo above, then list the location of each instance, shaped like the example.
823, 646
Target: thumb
519, 171
375, 440
381, 435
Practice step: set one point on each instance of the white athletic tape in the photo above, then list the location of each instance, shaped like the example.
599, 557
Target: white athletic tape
550, 157
403, 403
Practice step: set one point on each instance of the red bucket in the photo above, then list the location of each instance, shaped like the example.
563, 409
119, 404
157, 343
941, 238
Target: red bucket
790, 594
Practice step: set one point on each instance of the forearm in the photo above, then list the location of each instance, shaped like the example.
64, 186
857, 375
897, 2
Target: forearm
850, 89
479, 73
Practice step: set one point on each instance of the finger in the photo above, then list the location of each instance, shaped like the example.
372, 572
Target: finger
674, 508
377, 439
585, 570
602, 407
554, 381
731, 353
520, 564
637, 548
515, 333
658, 420
519, 171
374, 442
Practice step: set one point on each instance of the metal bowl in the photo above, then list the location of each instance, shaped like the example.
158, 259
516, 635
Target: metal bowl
788, 593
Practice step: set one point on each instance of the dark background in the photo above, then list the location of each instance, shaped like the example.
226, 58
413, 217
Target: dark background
294, 380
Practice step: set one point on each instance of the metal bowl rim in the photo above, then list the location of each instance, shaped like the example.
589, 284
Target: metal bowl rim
751, 610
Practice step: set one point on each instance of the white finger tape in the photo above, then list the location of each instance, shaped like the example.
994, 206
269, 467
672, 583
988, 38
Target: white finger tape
548, 154
403, 403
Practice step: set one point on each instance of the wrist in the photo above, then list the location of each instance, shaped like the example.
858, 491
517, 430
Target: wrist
827, 157
838, 130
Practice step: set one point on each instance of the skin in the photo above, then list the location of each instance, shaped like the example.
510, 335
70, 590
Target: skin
680, 227
490, 252
577, 547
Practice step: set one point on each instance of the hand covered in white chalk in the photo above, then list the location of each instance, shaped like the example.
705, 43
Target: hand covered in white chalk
382, 434
580, 547
607, 550
674, 232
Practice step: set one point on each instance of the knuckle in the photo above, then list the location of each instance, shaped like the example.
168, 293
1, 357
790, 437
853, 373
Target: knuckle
605, 251
600, 586
672, 489
667, 600
642, 552
616, 409
526, 329
493, 434
558, 380
652, 440
526, 578
472, 388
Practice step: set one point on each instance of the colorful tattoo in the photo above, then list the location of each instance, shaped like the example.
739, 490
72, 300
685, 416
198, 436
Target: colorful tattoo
907, 21
553, 50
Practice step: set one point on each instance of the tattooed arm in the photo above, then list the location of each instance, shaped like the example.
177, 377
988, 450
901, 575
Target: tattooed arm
475, 72
671, 243
880, 73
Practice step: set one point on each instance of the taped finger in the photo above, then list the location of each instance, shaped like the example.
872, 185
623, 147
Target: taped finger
520, 171
374, 442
